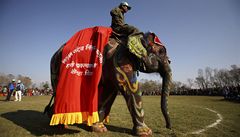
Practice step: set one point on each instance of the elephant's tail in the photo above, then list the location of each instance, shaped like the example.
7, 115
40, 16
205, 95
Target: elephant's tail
49, 108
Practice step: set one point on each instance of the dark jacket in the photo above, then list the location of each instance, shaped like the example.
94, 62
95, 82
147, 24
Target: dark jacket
117, 18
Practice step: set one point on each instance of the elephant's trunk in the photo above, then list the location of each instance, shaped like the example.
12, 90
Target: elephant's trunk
166, 88
164, 107
157, 63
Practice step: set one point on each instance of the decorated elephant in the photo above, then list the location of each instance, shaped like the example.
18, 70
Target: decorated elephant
122, 60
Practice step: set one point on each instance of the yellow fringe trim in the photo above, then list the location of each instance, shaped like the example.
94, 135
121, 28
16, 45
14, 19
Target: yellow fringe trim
74, 118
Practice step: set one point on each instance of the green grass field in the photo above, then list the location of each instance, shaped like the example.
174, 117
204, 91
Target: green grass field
212, 116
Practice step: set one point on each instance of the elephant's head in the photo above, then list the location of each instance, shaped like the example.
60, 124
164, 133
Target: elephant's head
156, 53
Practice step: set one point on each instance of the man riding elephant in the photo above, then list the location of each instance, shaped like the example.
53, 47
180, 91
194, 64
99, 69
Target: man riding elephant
120, 28
118, 23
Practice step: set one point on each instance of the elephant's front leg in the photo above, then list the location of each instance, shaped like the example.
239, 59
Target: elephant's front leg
107, 95
135, 107
134, 103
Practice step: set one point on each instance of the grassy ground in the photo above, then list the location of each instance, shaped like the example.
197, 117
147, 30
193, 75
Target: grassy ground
188, 114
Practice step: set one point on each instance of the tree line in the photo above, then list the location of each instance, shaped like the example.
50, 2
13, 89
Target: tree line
6, 79
214, 78
26, 80
208, 82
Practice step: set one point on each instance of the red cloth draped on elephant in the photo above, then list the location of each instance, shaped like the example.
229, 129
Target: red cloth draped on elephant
76, 98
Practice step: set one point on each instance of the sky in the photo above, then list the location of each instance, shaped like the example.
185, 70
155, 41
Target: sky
196, 33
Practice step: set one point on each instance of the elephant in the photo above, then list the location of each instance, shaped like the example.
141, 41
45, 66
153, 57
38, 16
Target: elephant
119, 73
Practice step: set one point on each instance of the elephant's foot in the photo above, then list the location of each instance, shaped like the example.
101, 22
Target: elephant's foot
169, 126
99, 127
143, 131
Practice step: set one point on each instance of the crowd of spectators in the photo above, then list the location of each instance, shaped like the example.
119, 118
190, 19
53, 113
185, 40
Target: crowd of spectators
28, 91
229, 93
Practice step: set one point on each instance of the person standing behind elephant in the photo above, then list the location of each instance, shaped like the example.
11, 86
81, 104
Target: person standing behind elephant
19, 90
11, 88
118, 23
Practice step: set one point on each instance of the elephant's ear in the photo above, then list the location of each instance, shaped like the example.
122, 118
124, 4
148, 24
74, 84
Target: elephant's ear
156, 40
